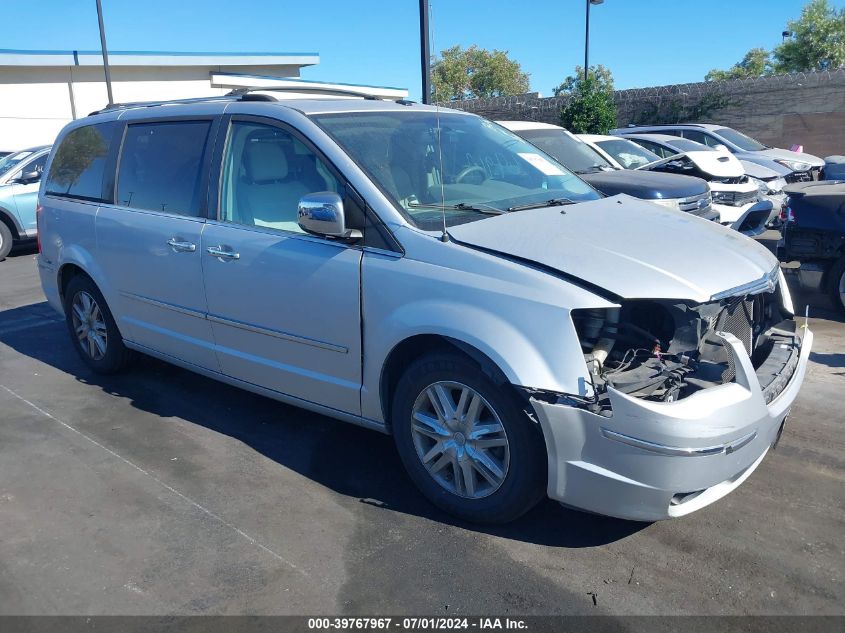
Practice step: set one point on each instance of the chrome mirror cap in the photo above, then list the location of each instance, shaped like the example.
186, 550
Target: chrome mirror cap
322, 213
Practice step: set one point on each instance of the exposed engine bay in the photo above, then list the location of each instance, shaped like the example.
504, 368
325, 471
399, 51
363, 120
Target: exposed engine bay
664, 350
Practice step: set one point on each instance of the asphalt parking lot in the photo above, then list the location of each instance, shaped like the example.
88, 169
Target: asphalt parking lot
162, 492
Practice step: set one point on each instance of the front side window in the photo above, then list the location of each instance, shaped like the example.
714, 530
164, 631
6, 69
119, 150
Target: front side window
574, 154
456, 165
160, 166
78, 166
266, 170
8, 163
36, 166
627, 153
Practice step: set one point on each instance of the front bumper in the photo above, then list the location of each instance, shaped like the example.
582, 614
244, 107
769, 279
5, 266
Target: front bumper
749, 219
655, 460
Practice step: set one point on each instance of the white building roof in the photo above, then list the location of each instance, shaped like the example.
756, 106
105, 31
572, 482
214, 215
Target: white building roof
12, 57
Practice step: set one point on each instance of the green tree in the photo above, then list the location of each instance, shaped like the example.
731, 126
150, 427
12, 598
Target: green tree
602, 76
476, 73
590, 108
756, 63
817, 41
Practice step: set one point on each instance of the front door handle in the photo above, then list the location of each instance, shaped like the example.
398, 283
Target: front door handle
218, 251
182, 247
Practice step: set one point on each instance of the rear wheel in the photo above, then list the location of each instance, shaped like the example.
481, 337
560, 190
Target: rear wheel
92, 328
6, 240
466, 442
837, 276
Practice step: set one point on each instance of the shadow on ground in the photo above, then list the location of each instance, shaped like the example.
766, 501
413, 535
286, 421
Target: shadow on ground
352, 461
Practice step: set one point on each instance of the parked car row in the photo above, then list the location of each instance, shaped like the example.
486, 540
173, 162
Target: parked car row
430, 274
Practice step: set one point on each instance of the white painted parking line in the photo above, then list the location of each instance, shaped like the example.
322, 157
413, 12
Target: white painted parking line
171, 489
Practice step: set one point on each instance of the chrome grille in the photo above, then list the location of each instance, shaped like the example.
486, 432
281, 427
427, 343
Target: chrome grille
735, 198
696, 204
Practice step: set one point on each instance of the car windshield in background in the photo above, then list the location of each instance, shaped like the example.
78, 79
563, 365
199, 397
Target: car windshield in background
686, 145
476, 169
577, 156
11, 161
627, 153
740, 140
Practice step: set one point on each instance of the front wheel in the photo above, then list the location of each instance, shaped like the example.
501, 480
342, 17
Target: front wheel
465, 441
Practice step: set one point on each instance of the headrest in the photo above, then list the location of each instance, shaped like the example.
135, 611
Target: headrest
265, 161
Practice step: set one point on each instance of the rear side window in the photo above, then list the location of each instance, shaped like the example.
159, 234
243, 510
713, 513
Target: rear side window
78, 166
160, 166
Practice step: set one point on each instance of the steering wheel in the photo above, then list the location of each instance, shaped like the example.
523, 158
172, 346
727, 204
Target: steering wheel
466, 171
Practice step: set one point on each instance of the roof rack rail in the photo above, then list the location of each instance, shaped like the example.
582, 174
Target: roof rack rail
304, 90
151, 104
248, 94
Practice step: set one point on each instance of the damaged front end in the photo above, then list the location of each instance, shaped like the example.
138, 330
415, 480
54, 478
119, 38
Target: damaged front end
665, 351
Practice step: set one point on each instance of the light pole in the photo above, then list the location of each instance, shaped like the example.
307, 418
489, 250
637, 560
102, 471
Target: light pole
105, 52
424, 52
587, 38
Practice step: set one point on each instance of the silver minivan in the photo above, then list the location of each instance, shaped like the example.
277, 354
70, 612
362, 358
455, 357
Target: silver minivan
426, 273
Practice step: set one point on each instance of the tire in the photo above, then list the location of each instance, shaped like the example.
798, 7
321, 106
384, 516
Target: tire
837, 283
457, 478
6, 240
98, 343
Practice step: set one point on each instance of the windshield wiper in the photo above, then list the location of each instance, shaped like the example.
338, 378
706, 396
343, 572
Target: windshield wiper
554, 202
461, 206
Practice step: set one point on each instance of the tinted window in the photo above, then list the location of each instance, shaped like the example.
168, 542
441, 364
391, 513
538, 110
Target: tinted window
266, 170
9, 162
160, 166
570, 152
77, 167
740, 140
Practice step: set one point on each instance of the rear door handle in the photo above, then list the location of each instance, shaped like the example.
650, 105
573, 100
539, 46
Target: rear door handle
218, 251
182, 247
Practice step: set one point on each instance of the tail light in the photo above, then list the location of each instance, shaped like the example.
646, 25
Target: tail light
786, 215
38, 210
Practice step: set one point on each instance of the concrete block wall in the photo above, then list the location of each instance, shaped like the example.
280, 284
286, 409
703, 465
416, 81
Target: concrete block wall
802, 108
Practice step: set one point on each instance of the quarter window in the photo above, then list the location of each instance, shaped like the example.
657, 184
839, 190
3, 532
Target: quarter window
160, 166
266, 170
78, 166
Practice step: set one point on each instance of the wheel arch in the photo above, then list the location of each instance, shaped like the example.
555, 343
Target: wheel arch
413, 347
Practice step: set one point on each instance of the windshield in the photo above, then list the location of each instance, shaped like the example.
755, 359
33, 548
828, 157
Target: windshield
686, 145
574, 154
11, 161
485, 169
739, 139
627, 153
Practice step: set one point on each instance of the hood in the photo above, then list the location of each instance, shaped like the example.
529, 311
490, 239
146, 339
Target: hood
708, 163
628, 247
776, 152
646, 185
758, 171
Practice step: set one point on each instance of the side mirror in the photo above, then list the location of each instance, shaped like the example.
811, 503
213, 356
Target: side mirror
321, 213
29, 177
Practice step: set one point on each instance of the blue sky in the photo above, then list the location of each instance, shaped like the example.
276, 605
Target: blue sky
644, 42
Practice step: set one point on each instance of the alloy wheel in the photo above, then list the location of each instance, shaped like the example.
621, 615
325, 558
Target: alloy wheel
89, 325
460, 439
